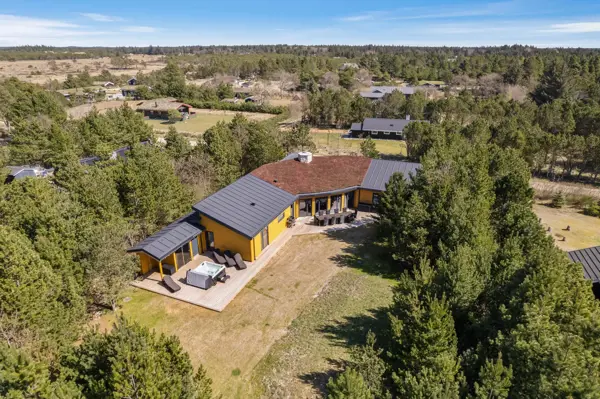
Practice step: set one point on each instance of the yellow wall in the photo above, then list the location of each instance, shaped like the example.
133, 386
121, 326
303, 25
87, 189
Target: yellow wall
366, 196
356, 198
226, 239
275, 228
147, 262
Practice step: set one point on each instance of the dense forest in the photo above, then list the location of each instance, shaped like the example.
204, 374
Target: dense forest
486, 305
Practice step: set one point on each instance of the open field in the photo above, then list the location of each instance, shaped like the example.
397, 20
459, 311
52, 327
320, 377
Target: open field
204, 120
585, 230
39, 71
333, 143
231, 343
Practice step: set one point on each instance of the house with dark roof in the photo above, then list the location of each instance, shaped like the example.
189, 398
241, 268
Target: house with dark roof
249, 214
160, 107
381, 128
378, 92
23, 171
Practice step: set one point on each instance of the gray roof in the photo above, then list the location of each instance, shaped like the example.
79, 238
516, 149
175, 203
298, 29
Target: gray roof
590, 259
246, 206
166, 241
390, 89
385, 125
380, 172
356, 126
366, 94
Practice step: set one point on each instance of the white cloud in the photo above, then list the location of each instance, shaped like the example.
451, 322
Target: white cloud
576, 27
101, 17
139, 29
17, 30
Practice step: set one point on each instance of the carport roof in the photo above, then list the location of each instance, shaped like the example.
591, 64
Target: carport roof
166, 241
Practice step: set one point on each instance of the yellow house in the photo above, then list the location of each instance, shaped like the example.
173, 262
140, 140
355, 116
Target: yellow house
249, 214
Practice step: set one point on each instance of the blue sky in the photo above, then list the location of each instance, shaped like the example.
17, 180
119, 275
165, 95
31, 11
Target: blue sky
418, 23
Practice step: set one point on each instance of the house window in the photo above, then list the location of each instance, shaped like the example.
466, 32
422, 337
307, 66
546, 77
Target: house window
386, 133
280, 217
376, 199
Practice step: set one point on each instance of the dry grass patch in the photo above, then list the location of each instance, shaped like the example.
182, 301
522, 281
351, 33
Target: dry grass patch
585, 230
39, 71
545, 189
230, 344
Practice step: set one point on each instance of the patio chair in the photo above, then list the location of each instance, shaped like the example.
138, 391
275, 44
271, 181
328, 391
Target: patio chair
170, 284
229, 258
219, 258
239, 262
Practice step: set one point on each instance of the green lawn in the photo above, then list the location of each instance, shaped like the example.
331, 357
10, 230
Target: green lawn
332, 143
197, 125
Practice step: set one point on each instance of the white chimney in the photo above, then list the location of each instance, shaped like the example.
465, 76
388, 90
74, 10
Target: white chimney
305, 157
407, 117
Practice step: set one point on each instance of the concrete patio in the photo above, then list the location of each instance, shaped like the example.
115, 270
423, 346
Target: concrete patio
220, 295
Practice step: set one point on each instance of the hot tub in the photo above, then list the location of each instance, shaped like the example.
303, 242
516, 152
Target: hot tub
204, 275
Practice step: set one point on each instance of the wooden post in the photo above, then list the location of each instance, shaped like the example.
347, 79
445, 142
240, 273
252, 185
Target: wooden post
160, 269
175, 261
191, 250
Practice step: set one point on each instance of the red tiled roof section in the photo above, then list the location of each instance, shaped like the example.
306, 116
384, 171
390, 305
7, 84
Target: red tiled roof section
322, 174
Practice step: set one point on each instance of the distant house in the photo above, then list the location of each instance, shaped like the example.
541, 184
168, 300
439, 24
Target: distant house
159, 108
129, 91
378, 92
23, 171
119, 153
380, 128
132, 81
349, 65
108, 84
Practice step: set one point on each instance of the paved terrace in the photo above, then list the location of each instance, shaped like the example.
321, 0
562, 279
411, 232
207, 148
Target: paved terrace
218, 297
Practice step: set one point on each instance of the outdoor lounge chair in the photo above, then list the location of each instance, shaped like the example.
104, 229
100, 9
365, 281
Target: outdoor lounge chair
229, 258
239, 262
170, 284
219, 257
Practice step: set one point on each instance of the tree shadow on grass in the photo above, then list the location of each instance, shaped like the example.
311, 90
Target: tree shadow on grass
319, 379
364, 252
352, 330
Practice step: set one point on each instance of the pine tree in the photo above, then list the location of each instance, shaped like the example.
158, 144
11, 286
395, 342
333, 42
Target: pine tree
494, 380
368, 148
424, 346
131, 361
368, 362
558, 200
348, 385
